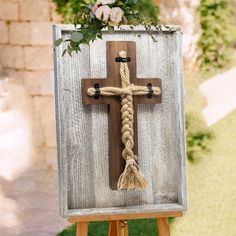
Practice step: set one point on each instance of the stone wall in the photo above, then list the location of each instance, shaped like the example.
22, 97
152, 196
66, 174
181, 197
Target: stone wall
27, 58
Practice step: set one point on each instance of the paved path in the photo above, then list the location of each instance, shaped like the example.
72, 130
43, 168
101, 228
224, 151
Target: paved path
220, 92
28, 188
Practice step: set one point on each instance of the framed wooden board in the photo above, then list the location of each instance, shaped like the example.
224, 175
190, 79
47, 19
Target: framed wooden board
82, 131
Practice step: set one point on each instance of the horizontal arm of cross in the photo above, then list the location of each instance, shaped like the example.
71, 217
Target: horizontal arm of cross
132, 89
139, 90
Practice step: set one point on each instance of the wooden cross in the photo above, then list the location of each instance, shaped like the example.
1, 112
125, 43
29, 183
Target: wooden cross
116, 162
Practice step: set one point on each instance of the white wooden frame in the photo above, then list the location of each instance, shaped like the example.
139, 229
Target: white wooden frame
83, 188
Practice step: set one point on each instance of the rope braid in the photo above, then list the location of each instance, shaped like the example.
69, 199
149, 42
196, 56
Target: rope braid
132, 177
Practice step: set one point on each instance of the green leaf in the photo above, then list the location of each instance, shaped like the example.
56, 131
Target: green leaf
110, 29
99, 36
120, 4
76, 37
102, 17
69, 50
58, 42
64, 52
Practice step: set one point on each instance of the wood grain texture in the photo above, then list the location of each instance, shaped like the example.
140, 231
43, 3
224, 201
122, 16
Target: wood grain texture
82, 229
118, 228
82, 131
163, 227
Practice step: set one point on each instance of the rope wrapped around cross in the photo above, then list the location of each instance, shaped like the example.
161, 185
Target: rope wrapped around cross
132, 178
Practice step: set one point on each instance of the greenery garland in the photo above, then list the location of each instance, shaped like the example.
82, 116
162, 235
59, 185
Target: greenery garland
91, 17
69, 8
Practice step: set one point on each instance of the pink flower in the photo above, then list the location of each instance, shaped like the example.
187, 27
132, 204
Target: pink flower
103, 13
100, 3
95, 7
116, 15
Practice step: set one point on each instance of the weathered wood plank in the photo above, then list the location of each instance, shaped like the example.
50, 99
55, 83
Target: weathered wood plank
132, 210
83, 130
62, 161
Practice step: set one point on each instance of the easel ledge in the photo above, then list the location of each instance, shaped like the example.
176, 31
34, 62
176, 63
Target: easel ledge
118, 223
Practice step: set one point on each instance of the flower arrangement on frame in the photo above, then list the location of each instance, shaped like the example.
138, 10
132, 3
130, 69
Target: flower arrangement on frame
96, 16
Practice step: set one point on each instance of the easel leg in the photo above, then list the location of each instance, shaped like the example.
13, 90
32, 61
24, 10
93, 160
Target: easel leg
163, 227
82, 229
118, 228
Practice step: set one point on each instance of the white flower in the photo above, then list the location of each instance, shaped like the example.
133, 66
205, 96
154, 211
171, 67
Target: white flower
105, 2
116, 15
101, 3
103, 13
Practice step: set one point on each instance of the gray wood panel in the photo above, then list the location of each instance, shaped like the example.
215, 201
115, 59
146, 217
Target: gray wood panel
82, 131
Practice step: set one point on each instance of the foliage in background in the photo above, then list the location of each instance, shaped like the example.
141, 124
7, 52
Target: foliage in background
68, 8
218, 33
198, 137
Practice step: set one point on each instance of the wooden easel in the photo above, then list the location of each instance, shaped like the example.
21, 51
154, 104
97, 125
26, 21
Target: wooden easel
119, 225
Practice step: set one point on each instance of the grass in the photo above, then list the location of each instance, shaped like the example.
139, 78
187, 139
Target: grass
146, 227
225, 132
211, 184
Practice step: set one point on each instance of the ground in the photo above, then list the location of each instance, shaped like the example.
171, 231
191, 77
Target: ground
212, 187
219, 92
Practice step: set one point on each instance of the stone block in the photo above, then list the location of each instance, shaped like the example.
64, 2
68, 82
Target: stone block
8, 10
44, 115
51, 158
35, 10
39, 82
56, 17
15, 76
19, 33
41, 33
12, 56
3, 32
38, 58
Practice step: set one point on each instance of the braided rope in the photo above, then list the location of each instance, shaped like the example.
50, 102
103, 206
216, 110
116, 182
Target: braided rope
114, 91
132, 177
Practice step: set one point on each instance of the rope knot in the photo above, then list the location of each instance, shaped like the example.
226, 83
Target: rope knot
130, 162
123, 54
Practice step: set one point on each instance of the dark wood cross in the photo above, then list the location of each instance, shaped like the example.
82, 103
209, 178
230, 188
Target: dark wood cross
116, 162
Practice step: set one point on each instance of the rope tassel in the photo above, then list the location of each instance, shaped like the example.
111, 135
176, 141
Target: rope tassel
132, 177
